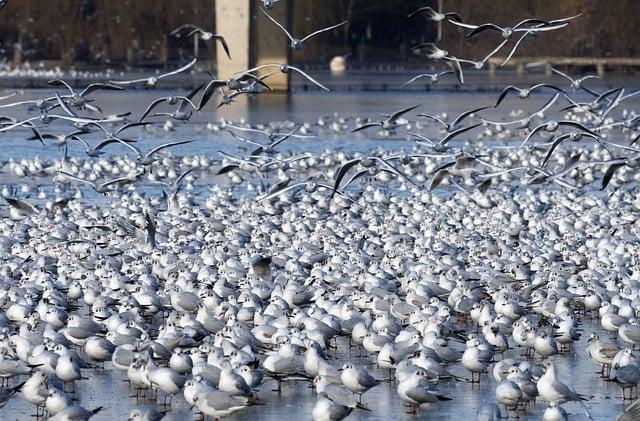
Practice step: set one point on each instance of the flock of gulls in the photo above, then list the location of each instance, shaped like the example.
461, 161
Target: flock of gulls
482, 251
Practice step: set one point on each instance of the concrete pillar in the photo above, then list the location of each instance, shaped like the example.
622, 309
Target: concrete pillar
253, 39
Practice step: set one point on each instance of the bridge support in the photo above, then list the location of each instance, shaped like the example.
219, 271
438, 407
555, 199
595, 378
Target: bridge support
253, 39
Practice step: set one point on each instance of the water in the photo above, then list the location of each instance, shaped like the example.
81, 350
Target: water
107, 388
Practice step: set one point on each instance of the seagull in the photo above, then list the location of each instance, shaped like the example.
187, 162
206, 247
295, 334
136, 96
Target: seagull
455, 123
553, 390
577, 83
508, 31
104, 187
81, 100
436, 53
181, 113
390, 123
270, 147
152, 81
298, 44
525, 92
286, 68
239, 84
309, 187
170, 100
553, 125
436, 16
367, 163
358, 380
433, 77
146, 158
214, 403
95, 151
21, 205
75, 413
326, 409
206, 36
534, 33
441, 145
525, 121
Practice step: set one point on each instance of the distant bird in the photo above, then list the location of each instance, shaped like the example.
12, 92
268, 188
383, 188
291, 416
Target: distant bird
454, 124
201, 34
104, 187
296, 43
152, 81
170, 100
525, 92
286, 68
436, 16
147, 158
80, 100
390, 123
577, 84
508, 31
433, 77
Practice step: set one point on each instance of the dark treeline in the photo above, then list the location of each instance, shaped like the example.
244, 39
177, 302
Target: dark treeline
136, 31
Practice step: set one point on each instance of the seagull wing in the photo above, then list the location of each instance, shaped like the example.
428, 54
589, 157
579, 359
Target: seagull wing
515, 47
277, 23
65, 106
224, 44
100, 86
428, 10
365, 126
168, 145
422, 138
455, 133
280, 191
395, 171
393, 117
532, 20
78, 179
468, 113
60, 82
153, 105
285, 137
437, 179
564, 75
504, 93
342, 171
130, 125
433, 117
22, 205
484, 27
534, 131
553, 146
180, 70
312, 80
609, 173
178, 181
208, 92
318, 32
186, 101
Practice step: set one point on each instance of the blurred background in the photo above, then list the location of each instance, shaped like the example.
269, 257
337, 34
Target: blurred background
88, 34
